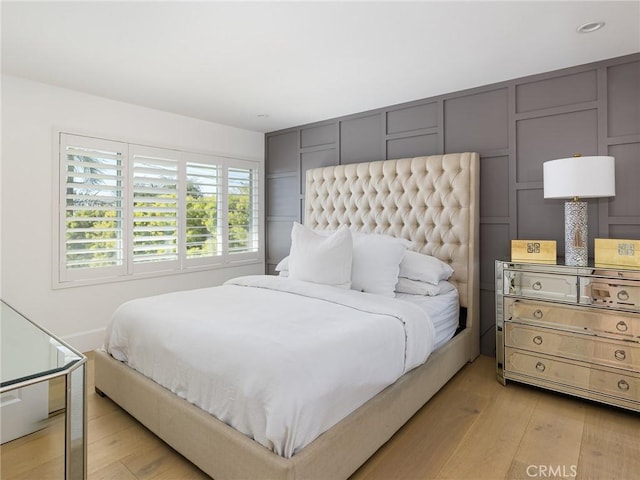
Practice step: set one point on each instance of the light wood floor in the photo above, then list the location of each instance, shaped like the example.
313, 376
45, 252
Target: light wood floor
474, 428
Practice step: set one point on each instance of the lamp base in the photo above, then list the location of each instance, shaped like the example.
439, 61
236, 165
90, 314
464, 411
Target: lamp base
575, 233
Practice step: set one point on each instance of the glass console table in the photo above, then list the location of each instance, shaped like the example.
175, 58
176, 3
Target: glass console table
30, 355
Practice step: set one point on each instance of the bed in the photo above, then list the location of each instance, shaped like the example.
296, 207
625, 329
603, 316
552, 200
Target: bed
431, 202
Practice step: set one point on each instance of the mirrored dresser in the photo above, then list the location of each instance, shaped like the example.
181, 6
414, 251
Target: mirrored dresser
30, 358
570, 329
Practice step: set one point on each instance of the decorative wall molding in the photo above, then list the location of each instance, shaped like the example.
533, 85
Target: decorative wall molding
592, 109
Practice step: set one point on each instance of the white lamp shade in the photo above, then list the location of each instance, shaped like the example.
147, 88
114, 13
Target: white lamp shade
583, 177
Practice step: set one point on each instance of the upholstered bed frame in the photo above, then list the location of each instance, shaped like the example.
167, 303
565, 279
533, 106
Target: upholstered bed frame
431, 201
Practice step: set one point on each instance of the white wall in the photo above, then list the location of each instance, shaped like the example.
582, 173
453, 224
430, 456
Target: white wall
31, 113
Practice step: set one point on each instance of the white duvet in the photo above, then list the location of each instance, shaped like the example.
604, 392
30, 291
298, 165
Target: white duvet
279, 360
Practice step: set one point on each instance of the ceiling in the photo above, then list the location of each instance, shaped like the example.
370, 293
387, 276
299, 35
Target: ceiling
266, 66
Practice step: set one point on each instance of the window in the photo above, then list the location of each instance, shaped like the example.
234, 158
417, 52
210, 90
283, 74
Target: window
243, 212
131, 210
91, 216
203, 208
154, 206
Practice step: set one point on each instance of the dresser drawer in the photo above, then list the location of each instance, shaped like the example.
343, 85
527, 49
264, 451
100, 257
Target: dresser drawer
622, 294
574, 375
541, 285
593, 321
573, 346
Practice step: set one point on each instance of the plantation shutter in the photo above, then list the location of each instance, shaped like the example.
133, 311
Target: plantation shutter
128, 210
203, 209
92, 231
243, 209
154, 215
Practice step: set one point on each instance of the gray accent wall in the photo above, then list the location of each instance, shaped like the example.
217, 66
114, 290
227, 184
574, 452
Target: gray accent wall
517, 125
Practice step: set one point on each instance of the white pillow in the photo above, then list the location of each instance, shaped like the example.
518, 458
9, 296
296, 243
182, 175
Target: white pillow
283, 265
376, 263
321, 259
424, 268
416, 287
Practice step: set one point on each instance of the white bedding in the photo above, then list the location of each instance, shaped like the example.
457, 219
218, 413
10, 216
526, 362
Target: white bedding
443, 310
277, 359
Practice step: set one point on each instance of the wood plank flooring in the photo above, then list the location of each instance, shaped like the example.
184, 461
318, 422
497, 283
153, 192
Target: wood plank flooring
474, 428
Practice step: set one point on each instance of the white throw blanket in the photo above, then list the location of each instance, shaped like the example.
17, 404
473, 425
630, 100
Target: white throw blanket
277, 359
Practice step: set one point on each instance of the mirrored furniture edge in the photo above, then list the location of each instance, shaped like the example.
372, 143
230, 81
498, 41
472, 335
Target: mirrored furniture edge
570, 329
31, 357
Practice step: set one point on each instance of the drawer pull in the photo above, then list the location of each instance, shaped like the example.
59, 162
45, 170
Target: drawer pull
537, 286
541, 368
620, 355
538, 340
622, 326
623, 295
623, 385
538, 314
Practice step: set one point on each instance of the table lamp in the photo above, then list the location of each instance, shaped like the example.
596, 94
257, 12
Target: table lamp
575, 178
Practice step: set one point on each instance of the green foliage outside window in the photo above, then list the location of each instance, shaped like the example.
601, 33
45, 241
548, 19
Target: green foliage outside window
239, 219
92, 241
94, 234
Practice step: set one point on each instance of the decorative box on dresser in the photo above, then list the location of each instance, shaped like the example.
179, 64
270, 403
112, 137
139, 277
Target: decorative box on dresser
570, 329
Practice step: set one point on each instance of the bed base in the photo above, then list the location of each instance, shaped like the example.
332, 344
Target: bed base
448, 182
224, 453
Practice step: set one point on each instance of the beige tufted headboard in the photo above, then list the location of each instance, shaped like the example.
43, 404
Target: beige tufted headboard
431, 201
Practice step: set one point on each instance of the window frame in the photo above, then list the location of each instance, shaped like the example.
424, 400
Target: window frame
243, 256
191, 263
164, 155
68, 277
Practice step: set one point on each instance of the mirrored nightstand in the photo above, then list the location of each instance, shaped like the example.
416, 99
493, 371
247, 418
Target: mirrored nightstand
31, 357
570, 329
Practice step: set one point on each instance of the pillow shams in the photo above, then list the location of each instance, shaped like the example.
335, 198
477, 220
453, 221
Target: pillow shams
376, 263
283, 265
319, 258
424, 268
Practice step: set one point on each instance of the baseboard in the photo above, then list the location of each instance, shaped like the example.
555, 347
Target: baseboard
86, 341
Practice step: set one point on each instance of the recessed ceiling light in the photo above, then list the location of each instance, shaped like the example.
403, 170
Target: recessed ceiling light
590, 27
